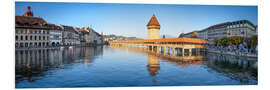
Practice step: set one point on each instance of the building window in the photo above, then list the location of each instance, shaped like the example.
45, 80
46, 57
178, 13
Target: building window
26, 37
39, 38
30, 37
16, 37
21, 37
35, 37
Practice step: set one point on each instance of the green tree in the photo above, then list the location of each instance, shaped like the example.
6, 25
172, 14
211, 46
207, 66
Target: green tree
163, 36
194, 35
254, 41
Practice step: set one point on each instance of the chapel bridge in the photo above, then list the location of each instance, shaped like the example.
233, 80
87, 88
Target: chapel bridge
169, 46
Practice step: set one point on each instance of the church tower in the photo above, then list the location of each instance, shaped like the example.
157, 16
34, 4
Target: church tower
28, 12
153, 27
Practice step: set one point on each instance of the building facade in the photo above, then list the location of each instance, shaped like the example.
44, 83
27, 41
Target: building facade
31, 31
77, 34
95, 37
55, 35
85, 37
202, 34
68, 35
153, 27
243, 28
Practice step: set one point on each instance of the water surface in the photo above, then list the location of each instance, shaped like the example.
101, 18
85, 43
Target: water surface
109, 67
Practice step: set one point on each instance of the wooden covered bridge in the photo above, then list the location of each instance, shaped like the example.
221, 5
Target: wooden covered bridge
169, 46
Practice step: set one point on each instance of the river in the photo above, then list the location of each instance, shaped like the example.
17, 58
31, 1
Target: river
105, 66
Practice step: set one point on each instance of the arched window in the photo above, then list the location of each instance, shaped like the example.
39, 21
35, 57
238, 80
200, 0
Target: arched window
35, 37
43, 37
31, 37
39, 38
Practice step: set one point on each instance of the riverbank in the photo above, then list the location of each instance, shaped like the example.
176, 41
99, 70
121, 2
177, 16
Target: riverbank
233, 53
56, 47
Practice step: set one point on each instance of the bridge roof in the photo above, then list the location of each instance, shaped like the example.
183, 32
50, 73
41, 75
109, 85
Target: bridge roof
184, 40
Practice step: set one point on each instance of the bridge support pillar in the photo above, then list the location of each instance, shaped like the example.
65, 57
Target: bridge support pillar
164, 50
157, 51
153, 48
190, 52
178, 51
168, 52
197, 51
183, 51
173, 51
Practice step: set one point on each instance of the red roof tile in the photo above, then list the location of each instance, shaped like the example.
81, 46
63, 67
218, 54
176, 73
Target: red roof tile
153, 21
29, 20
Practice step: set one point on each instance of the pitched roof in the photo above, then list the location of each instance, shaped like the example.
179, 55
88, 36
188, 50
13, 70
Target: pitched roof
153, 21
54, 27
29, 20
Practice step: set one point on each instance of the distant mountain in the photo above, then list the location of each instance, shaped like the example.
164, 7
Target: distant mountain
113, 37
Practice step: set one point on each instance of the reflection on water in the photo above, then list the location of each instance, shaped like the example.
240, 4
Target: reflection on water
33, 63
122, 66
239, 68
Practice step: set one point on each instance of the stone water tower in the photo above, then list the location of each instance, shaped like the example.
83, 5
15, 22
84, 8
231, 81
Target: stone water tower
153, 27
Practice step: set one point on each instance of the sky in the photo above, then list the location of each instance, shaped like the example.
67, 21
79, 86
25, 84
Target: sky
131, 19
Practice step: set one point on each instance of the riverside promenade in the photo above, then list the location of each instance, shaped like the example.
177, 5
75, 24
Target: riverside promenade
234, 53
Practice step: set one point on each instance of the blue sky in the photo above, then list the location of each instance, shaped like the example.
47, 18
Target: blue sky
131, 19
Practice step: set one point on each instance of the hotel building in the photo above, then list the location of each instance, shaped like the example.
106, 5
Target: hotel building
243, 28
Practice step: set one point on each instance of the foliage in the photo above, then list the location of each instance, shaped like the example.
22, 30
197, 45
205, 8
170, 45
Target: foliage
254, 41
194, 35
225, 41
163, 36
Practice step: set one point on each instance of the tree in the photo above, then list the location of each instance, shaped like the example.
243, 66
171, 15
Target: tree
163, 36
225, 41
194, 35
254, 41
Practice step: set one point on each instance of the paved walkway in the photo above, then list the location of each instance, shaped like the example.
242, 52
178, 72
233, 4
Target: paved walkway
243, 54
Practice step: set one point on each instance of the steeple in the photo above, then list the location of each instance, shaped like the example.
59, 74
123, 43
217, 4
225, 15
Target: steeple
153, 21
28, 12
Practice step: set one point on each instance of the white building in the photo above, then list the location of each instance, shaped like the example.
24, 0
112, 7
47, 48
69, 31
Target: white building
55, 35
76, 37
68, 35
95, 37
243, 28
